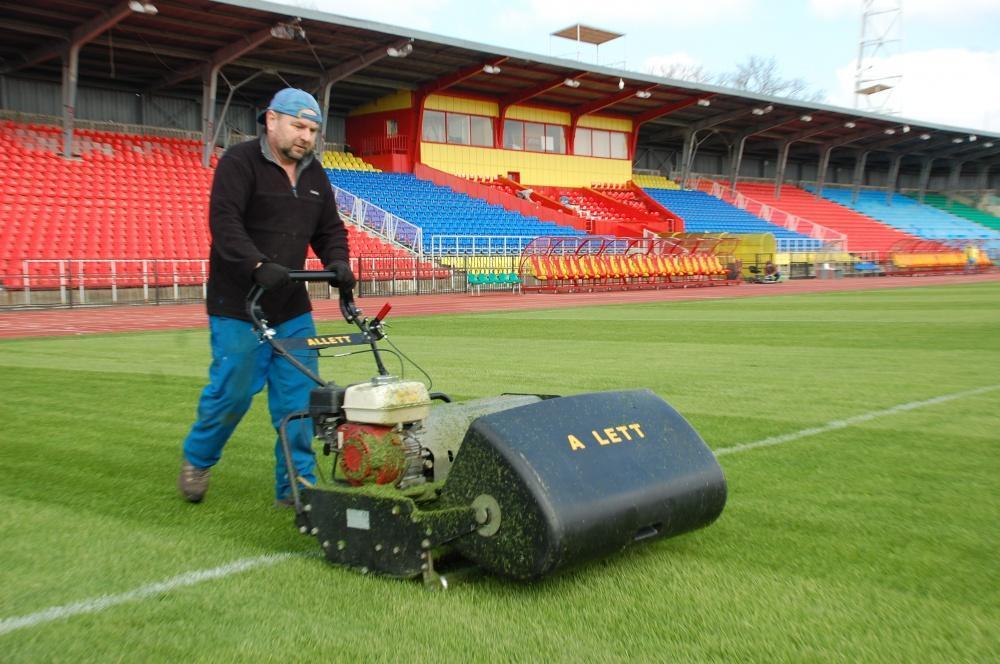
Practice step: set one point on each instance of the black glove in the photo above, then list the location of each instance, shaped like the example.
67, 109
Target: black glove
270, 275
345, 278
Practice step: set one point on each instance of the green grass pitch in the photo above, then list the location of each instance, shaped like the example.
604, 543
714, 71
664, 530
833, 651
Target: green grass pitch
874, 542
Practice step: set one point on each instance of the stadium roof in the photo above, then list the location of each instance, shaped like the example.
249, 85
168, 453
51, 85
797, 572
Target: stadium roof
168, 50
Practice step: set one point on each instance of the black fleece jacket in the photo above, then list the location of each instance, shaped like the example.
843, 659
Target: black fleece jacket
256, 215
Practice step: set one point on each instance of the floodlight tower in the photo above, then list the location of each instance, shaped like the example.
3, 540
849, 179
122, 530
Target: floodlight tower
881, 38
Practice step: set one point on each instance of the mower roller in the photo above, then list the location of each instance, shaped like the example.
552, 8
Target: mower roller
519, 485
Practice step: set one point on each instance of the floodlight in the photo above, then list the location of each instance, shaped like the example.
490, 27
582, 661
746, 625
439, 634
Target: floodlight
643, 94
890, 131
142, 7
491, 69
806, 118
401, 52
850, 124
704, 102
621, 83
571, 83
925, 137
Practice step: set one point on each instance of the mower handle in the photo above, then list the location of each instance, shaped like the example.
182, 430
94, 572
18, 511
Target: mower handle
348, 309
371, 328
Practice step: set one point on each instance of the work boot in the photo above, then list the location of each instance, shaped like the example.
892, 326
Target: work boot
192, 482
285, 503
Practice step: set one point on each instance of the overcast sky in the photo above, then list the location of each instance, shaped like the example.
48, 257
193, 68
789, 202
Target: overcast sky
949, 55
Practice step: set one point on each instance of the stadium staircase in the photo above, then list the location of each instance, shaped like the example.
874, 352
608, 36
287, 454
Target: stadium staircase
910, 216
864, 234
127, 199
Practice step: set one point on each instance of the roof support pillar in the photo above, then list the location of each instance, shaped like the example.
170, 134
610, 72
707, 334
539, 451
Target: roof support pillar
859, 175
209, 89
70, 73
925, 176
954, 179
687, 156
737, 161
779, 174
81, 35
890, 185
982, 181
824, 164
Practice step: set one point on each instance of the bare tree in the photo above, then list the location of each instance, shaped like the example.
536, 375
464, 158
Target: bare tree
682, 71
759, 74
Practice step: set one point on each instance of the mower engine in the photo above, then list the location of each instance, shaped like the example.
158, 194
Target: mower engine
376, 443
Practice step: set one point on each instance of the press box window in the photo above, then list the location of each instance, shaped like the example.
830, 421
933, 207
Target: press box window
434, 126
482, 131
534, 137
599, 143
513, 135
458, 129
555, 139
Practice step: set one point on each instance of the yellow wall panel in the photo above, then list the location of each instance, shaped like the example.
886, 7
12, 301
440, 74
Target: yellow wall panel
460, 105
393, 102
535, 168
603, 122
532, 114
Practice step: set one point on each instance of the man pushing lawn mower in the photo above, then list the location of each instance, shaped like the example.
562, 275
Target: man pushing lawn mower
270, 202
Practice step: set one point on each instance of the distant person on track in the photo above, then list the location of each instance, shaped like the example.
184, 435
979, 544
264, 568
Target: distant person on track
771, 272
270, 202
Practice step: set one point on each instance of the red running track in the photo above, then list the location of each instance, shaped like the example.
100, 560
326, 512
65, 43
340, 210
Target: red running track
97, 320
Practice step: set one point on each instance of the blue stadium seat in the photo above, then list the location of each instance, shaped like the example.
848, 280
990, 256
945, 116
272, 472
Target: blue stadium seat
913, 217
440, 210
703, 213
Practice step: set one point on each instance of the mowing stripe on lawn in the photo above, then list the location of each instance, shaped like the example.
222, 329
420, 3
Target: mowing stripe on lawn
103, 602
851, 421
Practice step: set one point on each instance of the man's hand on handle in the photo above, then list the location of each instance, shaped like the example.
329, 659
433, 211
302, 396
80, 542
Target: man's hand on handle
345, 278
270, 275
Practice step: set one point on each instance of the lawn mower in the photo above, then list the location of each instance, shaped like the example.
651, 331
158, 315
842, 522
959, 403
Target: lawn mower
519, 485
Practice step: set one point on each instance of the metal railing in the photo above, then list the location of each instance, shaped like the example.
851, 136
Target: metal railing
774, 215
477, 245
54, 283
381, 222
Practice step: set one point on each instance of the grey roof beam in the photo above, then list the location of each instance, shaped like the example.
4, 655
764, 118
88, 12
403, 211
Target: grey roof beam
221, 57
741, 139
813, 131
719, 118
359, 62
80, 35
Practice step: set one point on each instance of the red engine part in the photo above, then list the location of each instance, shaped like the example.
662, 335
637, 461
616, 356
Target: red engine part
371, 454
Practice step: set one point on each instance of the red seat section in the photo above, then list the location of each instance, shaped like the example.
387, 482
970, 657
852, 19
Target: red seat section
126, 197
864, 234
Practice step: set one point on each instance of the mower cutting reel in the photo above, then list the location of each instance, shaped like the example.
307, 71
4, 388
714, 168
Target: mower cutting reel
520, 485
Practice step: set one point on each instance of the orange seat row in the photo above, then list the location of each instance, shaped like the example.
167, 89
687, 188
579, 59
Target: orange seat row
635, 266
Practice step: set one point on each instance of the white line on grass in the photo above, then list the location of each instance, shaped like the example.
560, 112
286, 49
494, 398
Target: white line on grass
103, 602
107, 601
851, 421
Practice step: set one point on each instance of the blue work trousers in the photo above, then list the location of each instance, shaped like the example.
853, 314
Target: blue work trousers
241, 366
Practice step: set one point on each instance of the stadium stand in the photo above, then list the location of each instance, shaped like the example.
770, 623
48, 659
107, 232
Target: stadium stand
346, 161
439, 210
703, 213
980, 217
910, 216
127, 198
653, 181
864, 233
